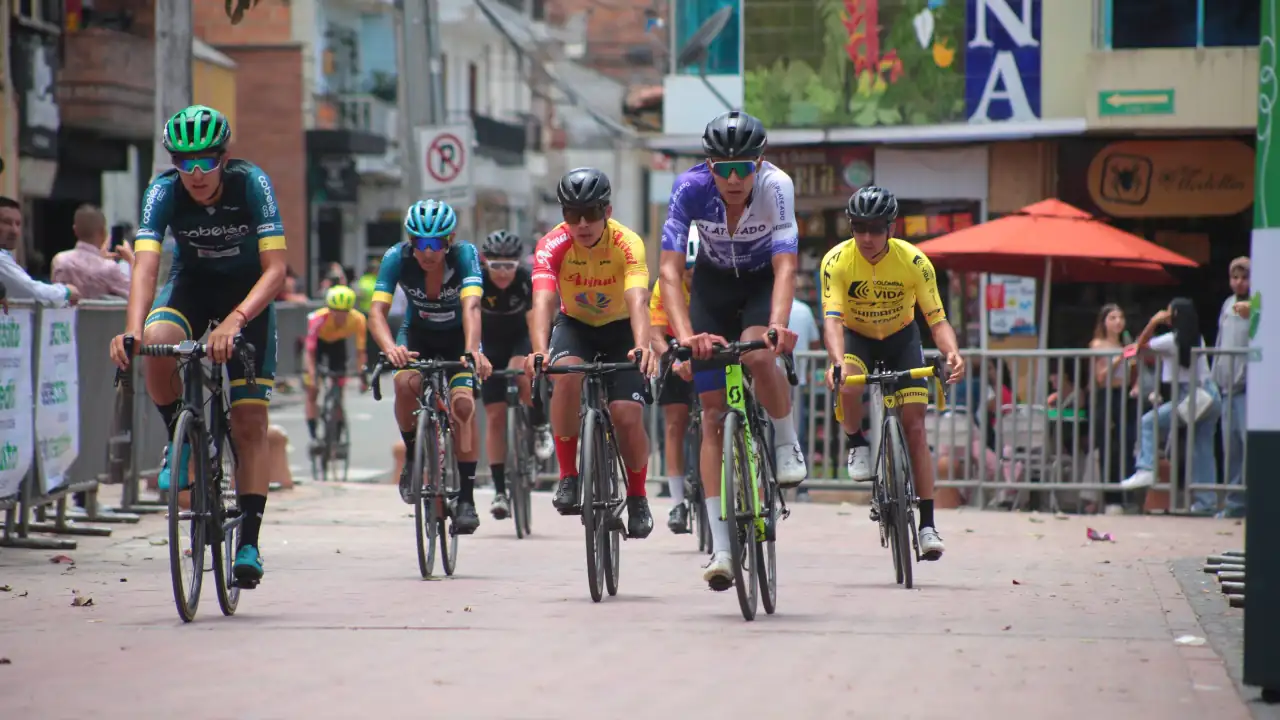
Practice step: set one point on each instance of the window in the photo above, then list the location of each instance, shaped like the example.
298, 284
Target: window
1138, 24
724, 56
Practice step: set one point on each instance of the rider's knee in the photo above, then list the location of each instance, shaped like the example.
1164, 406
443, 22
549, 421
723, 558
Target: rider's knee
404, 385
463, 406
913, 419
626, 414
248, 424
759, 361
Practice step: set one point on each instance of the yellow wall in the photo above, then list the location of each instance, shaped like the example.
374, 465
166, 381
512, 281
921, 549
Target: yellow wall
215, 86
1067, 38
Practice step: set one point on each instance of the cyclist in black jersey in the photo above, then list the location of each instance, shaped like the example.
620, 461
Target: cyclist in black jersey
228, 266
505, 306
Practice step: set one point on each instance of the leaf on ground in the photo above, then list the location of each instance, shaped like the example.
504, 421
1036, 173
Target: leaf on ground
1035, 520
78, 600
158, 541
1015, 582
5, 588
124, 579
1007, 627
61, 560
466, 609
5, 661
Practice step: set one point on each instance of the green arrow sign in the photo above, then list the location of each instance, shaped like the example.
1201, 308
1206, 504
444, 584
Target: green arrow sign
1135, 102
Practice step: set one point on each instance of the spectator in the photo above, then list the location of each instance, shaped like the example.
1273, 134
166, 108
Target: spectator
333, 275
1115, 408
17, 282
803, 324
89, 265
1174, 349
1229, 374
289, 292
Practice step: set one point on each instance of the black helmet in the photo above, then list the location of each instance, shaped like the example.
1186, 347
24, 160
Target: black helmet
584, 187
501, 244
872, 203
734, 134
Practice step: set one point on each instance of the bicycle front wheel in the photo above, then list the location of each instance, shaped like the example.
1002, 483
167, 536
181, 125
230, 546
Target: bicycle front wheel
766, 557
736, 497
897, 468
447, 491
614, 491
422, 478
594, 519
516, 463
224, 548
187, 527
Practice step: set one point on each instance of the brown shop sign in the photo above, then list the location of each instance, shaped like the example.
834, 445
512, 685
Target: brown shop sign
1172, 178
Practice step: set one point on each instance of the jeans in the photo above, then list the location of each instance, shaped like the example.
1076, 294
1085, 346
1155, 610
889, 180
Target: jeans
1233, 447
1203, 464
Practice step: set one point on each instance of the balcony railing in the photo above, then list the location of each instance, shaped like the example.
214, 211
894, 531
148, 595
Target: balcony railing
368, 114
508, 137
107, 84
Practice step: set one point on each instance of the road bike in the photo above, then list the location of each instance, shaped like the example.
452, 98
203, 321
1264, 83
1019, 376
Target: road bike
699, 526
602, 476
332, 449
433, 473
749, 494
213, 511
522, 468
893, 492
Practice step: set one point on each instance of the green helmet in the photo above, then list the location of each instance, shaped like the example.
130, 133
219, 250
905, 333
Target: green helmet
196, 129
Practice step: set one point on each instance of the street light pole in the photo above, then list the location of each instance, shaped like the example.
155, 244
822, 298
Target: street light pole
421, 103
173, 84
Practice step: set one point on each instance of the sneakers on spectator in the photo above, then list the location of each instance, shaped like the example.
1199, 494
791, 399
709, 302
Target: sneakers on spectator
1138, 480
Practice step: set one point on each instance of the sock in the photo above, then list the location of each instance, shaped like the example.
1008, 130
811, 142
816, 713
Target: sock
857, 439
719, 527
567, 455
537, 415
251, 509
499, 472
311, 427
169, 413
926, 513
677, 489
467, 473
635, 481
784, 430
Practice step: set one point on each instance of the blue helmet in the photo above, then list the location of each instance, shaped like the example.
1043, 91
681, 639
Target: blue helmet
430, 219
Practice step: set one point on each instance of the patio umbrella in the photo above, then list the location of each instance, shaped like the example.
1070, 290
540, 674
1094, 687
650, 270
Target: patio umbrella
1052, 240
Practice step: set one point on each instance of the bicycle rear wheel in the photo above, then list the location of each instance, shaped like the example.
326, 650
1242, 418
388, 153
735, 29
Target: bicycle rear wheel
616, 494
187, 527
737, 500
594, 521
528, 472
223, 489
515, 463
766, 556
422, 478
447, 492
700, 527
897, 467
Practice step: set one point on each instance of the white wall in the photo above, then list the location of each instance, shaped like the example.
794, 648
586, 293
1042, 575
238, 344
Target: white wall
935, 174
120, 196
687, 104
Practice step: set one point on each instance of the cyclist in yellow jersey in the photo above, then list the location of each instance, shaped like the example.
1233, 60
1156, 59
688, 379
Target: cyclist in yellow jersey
677, 393
871, 285
326, 344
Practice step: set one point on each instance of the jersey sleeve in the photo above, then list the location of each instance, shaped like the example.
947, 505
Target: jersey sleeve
657, 313
361, 329
266, 214
675, 231
927, 290
314, 322
786, 235
833, 283
546, 263
157, 211
384, 289
635, 265
469, 266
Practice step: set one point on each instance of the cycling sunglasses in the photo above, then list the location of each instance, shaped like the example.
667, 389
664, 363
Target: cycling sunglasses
504, 264
435, 244
873, 227
203, 163
573, 216
726, 168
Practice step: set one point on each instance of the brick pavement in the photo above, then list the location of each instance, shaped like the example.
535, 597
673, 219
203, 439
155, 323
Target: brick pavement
1023, 618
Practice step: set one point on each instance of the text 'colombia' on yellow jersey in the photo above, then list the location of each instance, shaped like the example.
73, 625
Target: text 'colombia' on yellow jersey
878, 300
591, 281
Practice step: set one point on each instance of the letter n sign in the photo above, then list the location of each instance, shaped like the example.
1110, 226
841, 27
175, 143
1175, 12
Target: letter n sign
1002, 60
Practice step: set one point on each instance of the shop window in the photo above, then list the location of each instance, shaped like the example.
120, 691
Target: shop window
723, 57
1136, 24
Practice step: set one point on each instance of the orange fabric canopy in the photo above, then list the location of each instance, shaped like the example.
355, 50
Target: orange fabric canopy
1078, 247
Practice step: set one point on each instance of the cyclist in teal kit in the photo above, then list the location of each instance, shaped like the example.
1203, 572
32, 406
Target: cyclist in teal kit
228, 266
441, 279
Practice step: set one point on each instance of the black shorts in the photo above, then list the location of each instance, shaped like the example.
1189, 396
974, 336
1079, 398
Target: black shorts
331, 356
724, 303
438, 345
609, 343
192, 301
900, 351
500, 347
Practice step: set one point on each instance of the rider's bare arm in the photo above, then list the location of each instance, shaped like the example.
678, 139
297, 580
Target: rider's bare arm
544, 307
784, 288
671, 280
471, 322
638, 306
142, 288
265, 290
379, 327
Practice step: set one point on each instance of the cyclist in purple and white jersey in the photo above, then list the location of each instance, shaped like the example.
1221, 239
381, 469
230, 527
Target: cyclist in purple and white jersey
743, 209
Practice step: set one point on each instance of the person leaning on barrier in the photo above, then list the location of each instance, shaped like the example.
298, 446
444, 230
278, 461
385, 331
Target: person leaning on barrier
17, 282
1229, 373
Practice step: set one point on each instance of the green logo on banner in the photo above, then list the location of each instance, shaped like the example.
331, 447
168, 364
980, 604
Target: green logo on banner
60, 334
1266, 212
1255, 313
8, 396
8, 456
10, 334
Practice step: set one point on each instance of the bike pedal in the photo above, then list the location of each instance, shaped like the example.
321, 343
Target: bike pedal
615, 523
720, 584
575, 510
246, 583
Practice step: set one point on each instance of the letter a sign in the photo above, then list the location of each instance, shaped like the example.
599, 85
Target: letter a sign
1002, 60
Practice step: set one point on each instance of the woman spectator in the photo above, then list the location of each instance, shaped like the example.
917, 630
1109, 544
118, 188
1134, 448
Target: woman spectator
1194, 384
1114, 405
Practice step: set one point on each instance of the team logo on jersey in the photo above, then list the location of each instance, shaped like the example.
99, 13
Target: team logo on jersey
269, 209
877, 292
590, 282
229, 232
595, 302
492, 300
153, 196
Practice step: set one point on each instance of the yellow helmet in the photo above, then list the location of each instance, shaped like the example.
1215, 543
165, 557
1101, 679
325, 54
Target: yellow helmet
340, 297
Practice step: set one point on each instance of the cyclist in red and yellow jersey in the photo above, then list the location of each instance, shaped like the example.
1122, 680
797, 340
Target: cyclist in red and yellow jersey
326, 344
598, 267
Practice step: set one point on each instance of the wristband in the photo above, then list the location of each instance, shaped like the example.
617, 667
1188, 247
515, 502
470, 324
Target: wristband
243, 316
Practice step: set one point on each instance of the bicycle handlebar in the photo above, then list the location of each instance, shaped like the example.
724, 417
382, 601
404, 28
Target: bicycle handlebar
937, 370
192, 350
426, 367
507, 373
592, 368
732, 353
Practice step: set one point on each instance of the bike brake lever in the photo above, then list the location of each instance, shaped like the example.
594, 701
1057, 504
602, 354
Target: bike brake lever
377, 381
128, 353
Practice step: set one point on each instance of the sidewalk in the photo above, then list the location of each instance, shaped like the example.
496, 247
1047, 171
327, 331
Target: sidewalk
1023, 618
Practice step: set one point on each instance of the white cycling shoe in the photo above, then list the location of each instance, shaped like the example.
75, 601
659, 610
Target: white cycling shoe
791, 466
859, 464
931, 547
543, 446
718, 573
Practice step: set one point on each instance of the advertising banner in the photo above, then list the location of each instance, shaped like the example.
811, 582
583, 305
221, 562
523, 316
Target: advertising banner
58, 409
16, 438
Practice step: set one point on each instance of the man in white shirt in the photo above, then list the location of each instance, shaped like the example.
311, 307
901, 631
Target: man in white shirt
18, 284
803, 324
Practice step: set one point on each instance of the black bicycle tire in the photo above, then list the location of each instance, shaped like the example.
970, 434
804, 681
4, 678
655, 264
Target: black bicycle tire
613, 536
448, 488
224, 552
423, 518
186, 599
898, 470
741, 547
529, 470
515, 463
590, 518
766, 552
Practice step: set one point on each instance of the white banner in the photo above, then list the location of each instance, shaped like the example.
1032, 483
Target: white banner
58, 411
16, 439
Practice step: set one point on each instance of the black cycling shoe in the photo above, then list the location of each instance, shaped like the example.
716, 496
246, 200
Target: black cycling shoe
665, 492
639, 520
566, 497
678, 520
404, 485
465, 519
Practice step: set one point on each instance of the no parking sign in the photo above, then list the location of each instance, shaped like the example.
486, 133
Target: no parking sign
445, 159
